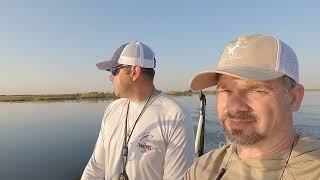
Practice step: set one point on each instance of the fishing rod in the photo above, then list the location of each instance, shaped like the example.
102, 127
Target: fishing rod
199, 143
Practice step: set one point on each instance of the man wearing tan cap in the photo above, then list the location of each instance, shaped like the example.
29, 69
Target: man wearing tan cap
258, 90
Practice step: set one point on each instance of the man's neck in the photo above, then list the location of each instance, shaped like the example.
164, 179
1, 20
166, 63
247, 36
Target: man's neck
143, 93
266, 147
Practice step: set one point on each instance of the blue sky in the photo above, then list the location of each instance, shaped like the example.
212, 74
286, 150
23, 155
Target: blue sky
52, 46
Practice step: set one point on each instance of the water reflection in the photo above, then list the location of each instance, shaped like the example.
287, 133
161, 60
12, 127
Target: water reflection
54, 140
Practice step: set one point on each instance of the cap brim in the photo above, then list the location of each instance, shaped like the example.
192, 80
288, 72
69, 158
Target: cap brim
203, 80
208, 78
106, 65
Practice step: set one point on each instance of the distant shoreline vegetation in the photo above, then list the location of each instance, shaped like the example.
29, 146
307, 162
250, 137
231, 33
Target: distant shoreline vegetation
188, 93
90, 96
315, 89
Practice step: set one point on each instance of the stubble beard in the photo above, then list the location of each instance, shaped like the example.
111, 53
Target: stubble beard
240, 136
237, 136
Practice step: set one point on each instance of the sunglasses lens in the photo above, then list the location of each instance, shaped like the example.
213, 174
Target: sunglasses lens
113, 71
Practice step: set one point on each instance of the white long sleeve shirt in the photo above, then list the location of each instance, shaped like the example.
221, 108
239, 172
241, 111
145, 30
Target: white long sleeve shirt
161, 145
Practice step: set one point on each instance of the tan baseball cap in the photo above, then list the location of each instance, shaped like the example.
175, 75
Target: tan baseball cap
253, 57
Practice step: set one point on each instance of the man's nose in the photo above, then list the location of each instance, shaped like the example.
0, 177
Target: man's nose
237, 103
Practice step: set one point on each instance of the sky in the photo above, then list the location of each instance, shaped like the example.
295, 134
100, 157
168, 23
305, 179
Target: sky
52, 46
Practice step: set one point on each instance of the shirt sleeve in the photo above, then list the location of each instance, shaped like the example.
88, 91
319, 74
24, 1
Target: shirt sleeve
180, 150
96, 165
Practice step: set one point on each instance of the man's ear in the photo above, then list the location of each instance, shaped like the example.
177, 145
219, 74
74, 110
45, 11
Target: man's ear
135, 72
296, 94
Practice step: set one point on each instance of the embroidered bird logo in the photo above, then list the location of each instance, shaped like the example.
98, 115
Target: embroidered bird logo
232, 47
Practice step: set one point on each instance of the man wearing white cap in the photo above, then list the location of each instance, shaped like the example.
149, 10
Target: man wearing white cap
258, 90
144, 134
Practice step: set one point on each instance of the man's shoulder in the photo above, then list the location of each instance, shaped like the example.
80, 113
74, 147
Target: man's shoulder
209, 164
213, 155
307, 149
306, 139
116, 103
209, 159
305, 161
169, 105
167, 100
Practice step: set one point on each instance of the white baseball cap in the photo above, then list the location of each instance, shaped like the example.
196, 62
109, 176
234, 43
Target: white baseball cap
135, 53
253, 57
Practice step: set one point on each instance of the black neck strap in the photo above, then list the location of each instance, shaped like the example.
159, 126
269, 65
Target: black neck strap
127, 137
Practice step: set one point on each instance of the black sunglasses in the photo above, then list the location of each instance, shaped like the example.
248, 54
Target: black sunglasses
114, 71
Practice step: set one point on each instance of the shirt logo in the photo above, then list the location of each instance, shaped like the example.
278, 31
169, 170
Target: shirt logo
145, 143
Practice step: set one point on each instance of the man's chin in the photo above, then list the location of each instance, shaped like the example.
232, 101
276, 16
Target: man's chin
237, 136
116, 94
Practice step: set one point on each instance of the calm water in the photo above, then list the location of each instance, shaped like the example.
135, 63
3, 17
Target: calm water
55, 140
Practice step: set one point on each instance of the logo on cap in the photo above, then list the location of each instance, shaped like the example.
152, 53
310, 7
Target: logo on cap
233, 46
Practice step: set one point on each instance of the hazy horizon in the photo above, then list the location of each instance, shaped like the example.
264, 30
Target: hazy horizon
51, 47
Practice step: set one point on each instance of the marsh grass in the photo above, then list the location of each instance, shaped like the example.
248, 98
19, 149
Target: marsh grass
58, 97
90, 96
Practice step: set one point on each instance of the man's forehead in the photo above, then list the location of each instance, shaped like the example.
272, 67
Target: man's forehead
226, 79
